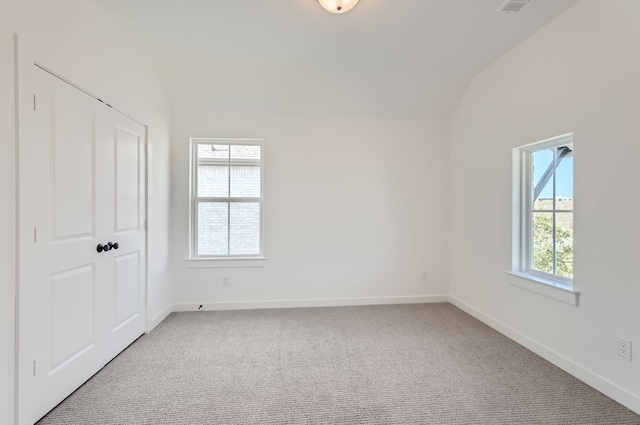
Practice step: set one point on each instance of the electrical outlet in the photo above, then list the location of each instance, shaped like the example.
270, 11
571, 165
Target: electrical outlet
623, 348
425, 275
225, 280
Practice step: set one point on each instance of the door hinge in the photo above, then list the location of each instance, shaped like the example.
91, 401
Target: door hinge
34, 368
146, 149
35, 235
146, 224
34, 102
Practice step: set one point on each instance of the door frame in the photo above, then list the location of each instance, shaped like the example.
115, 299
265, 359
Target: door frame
25, 63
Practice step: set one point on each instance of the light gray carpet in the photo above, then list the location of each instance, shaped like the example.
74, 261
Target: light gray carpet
409, 364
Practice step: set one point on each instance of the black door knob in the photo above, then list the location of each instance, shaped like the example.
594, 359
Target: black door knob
106, 247
114, 245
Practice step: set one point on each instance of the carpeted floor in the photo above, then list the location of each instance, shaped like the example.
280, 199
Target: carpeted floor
401, 364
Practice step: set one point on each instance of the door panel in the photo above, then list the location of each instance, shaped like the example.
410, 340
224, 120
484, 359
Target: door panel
72, 315
82, 184
127, 170
71, 167
127, 203
126, 288
58, 322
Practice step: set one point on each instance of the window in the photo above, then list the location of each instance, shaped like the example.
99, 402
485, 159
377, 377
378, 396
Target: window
226, 193
544, 226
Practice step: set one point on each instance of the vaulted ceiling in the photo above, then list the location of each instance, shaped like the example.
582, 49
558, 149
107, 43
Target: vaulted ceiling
392, 58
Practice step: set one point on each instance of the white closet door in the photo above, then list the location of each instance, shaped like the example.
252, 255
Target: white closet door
82, 184
121, 220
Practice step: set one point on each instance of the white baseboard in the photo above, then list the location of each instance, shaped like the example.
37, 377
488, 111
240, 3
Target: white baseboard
324, 302
617, 393
159, 318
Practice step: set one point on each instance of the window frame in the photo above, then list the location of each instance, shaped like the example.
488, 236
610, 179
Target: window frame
523, 255
195, 200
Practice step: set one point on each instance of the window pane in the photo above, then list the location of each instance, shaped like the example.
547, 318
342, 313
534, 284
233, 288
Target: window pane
541, 161
245, 171
245, 153
245, 181
213, 152
564, 245
213, 181
213, 225
245, 228
542, 244
213, 172
564, 184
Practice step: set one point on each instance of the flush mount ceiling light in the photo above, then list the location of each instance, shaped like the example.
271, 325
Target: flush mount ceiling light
338, 6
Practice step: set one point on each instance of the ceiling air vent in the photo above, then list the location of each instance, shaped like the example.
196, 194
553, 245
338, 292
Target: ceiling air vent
513, 6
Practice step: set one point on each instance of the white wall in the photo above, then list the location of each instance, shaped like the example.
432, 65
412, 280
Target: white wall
74, 38
580, 74
355, 206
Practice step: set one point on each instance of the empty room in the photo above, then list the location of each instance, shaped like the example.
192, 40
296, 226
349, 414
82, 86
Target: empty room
319, 212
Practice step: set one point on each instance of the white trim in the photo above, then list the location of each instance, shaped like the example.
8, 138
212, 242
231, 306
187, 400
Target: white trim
547, 287
522, 221
16, 233
224, 262
236, 141
321, 302
83, 90
145, 223
548, 143
193, 190
605, 386
159, 318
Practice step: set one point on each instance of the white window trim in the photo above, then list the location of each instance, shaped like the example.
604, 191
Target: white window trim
225, 263
549, 285
221, 261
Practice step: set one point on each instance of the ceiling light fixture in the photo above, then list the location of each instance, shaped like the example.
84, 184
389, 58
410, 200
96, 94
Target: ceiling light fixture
338, 6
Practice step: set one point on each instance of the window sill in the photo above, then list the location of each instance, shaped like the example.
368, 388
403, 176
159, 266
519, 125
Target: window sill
547, 287
231, 262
